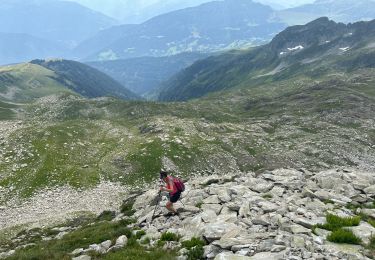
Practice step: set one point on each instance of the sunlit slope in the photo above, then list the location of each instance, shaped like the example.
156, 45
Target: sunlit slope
314, 50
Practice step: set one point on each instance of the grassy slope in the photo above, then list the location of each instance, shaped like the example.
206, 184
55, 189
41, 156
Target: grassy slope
291, 123
274, 62
29, 81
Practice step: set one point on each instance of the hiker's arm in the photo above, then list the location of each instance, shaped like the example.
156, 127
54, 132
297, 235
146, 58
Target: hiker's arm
166, 189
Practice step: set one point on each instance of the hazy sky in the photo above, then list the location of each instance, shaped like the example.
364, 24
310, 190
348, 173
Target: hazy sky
140, 10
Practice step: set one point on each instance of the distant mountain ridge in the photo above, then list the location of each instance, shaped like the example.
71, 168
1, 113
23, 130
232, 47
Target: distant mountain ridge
318, 47
24, 25
144, 74
209, 27
27, 81
338, 10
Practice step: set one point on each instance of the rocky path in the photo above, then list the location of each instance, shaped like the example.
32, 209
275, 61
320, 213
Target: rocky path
269, 216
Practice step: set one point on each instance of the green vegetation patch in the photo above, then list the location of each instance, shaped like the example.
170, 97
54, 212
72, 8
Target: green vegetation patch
168, 236
343, 236
335, 222
80, 238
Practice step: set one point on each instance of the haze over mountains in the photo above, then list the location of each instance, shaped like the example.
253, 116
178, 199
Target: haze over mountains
272, 125
209, 27
52, 28
128, 11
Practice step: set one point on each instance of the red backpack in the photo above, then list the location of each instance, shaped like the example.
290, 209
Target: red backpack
179, 184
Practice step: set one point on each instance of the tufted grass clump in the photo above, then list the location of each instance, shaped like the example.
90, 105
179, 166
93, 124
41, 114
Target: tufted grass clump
106, 215
344, 236
335, 222
168, 236
189, 244
195, 247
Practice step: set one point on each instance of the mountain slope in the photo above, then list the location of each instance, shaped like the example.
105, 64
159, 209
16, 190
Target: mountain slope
129, 11
320, 47
209, 27
144, 74
22, 47
39, 78
64, 22
338, 10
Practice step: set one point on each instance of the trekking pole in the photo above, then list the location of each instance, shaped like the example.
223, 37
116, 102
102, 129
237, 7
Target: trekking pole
156, 206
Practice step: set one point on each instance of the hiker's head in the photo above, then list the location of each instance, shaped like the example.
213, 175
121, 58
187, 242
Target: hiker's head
163, 174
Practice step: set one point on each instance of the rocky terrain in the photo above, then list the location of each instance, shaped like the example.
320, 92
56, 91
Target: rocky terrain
280, 214
267, 216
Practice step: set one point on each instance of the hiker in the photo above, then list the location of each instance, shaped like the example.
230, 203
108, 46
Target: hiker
174, 186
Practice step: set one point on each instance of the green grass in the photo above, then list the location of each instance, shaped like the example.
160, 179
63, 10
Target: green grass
189, 244
343, 236
106, 215
195, 247
199, 204
168, 236
127, 207
82, 237
335, 222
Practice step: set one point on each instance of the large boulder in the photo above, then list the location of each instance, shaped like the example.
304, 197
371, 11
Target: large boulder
259, 185
214, 231
364, 231
149, 198
267, 206
230, 256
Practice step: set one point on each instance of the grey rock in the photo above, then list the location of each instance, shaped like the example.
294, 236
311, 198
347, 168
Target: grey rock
297, 242
215, 231
208, 216
191, 209
297, 229
230, 256
215, 207
370, 190
322, 232
277, 248
260, 185
364, 231
82, 257
210, 251
212, 200
267, 256
121, 241
77, 251
106, 244
268, 206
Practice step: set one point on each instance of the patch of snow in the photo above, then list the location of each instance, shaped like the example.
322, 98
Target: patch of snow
299, 47
282, 53
327, 41
160, 36
345, 49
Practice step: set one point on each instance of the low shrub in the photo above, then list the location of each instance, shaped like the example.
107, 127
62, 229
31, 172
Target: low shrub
371, 244
199, 204
344, 236
195, 247
106, 215
189, 244
168, 236
127, 207
140, 234
335, 222
196, 253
